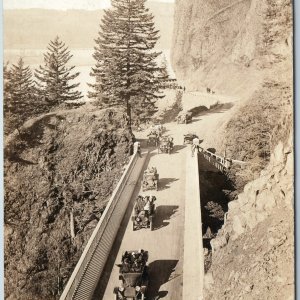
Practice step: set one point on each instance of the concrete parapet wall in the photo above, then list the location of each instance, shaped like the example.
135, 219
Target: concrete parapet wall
88, 270
193, 263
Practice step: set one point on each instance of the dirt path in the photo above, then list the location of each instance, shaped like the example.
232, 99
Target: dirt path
165, 242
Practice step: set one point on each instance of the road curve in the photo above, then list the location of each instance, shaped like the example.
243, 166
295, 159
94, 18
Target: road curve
165, 242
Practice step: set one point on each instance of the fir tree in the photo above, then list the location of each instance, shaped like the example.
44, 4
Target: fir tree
54, 78
126, 72
19, 95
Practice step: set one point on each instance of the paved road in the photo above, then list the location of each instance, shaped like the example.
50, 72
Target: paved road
165, 242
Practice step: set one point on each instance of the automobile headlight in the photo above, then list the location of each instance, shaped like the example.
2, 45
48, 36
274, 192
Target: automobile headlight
137, 288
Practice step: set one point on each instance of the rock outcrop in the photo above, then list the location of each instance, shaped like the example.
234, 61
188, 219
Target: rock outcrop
244, 49
253, 254
219, 44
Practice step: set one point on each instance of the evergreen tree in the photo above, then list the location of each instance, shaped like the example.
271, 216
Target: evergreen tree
126, 72
7, 87
55, 76
19, 95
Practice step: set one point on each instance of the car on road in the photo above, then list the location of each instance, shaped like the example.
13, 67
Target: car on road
150, 180
184, 118
188, 138
143, 212
165, 144
134, 274
153, 139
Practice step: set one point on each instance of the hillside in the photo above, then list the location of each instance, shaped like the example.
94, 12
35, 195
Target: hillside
60, 169
34, 28
243, 50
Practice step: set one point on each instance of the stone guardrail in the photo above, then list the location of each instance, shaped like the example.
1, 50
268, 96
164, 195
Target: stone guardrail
88, 270
193, 259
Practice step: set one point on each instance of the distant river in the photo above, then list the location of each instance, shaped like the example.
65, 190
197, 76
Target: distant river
82, 59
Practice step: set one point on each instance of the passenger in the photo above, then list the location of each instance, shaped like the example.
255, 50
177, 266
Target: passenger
120, 293
153, 170
142, 215
147, 207
133, 257
126, 265
136, 267
125, 255
153, 198
141, 258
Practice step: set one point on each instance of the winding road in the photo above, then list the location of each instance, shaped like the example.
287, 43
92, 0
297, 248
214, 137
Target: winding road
165, 242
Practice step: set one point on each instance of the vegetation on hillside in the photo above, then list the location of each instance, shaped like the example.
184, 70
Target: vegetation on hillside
25, 97
20, 101
252, 134
59, 174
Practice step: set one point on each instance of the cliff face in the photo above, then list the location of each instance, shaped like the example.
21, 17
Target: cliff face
253, 255
220, 44
244, 49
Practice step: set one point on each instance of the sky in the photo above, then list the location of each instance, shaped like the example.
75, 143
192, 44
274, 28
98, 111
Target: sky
63, 4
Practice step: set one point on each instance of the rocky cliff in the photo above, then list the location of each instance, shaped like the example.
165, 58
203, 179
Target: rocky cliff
220, 44
252, 255
244, 49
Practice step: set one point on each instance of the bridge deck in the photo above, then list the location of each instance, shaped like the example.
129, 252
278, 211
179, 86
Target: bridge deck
164, 243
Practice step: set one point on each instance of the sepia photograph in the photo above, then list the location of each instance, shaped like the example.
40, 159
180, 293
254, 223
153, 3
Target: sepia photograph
148, 150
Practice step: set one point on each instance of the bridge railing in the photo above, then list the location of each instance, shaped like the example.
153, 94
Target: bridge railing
220, 162
88, 270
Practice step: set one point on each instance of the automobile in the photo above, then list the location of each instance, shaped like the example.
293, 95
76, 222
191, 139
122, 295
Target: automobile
153, 138
165, 144
150, 180
184, 118
143, 213
134, 274
188, 138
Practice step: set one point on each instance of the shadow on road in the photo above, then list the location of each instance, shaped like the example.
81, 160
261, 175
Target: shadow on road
165, 183
217, 108
160, 272
163, 214
177, 148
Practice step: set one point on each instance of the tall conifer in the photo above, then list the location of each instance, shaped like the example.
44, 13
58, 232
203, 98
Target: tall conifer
19, 95
126, 72
54, 78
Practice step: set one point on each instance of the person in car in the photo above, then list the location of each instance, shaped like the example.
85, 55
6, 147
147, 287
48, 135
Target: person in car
126, 265
147, 207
